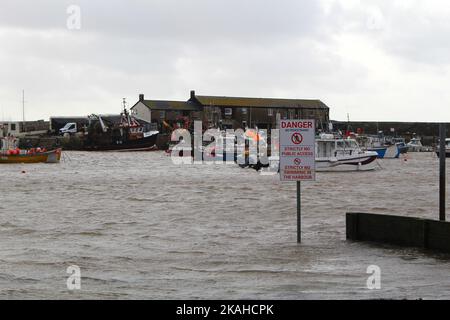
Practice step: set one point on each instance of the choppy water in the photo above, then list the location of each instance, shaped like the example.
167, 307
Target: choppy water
140, 227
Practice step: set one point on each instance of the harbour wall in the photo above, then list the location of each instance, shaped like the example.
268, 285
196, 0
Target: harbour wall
73, 142
398, 230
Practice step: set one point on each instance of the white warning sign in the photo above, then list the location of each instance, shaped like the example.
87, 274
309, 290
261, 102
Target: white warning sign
297, 150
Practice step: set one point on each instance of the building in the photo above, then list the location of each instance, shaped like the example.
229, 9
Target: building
166, 113
230, 112
20, 128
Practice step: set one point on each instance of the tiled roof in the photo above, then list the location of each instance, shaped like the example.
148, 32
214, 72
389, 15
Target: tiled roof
171, 105
260, 102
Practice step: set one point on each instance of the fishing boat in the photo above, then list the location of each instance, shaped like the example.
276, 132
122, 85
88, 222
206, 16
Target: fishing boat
10, 153
447, 149
25, 156
129, 134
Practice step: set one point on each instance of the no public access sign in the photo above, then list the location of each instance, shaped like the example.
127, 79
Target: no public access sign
297, 150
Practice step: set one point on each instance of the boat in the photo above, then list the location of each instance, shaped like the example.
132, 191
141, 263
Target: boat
222, 148
372, 143
342, 154
337, 154
415, 145
401, 144
129, 134
10, 153
24, 156
395, 146
447, 149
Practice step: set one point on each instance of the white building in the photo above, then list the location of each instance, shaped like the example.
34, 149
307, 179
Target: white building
20, 129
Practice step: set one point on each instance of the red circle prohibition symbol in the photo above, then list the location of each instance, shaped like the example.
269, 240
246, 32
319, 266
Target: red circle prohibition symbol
297, 161
297, 138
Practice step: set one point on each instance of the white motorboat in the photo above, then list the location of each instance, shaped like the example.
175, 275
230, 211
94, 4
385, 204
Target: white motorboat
415, 145
342, 154
338, 154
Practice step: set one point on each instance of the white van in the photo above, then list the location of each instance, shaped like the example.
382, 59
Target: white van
70, 127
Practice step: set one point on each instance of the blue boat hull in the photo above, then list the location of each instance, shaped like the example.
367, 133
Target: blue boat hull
381, 152
403, 148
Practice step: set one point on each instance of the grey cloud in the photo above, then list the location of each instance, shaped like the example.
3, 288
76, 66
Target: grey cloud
164, 48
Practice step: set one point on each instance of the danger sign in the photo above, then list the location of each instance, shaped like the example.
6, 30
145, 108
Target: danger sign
297, 150
297, 138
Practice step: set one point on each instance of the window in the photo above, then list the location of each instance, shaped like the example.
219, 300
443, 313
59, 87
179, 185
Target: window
350, 144
244, 110
228, 111
340, 145
162, 114
291, 114
270, 112
13, 127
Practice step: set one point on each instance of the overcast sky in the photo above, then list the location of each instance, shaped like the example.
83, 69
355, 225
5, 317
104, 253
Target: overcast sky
375, 60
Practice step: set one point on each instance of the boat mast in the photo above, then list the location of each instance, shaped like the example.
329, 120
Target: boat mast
125, 112
23, 109
348, 124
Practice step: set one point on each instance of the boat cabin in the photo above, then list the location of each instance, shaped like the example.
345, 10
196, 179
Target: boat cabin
415, 142
8, 143
326, 148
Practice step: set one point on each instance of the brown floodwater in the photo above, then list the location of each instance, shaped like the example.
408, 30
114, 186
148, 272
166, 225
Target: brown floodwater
139, 226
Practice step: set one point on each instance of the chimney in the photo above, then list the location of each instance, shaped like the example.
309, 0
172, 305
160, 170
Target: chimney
141, 97
192, 94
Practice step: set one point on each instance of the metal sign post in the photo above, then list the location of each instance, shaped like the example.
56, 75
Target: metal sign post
297, 156
442, 173
299, 214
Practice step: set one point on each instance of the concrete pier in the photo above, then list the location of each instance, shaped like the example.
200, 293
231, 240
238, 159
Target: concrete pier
398, 230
